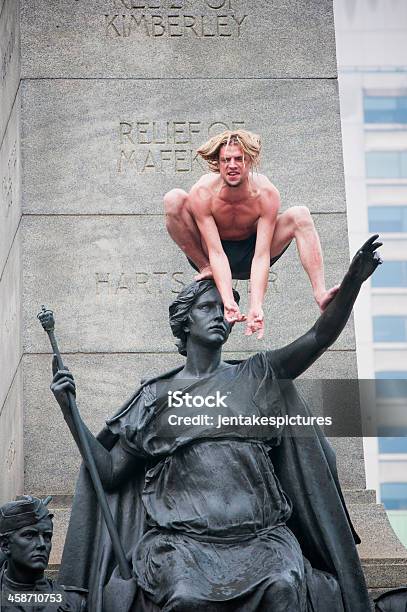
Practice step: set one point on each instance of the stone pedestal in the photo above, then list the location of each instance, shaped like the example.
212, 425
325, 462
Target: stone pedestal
103, 105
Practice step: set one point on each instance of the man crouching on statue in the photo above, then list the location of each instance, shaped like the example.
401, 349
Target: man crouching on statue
229, 226
25, 541
219, 520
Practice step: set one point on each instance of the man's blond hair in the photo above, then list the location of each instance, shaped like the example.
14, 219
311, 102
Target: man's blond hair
247, 141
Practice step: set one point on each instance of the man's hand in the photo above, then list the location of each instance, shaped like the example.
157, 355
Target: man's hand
62, 384
255, 323
232, 313
366, 260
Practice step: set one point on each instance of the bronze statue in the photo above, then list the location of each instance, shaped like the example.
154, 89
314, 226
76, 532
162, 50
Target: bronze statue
25, 539
226, 518
392, 601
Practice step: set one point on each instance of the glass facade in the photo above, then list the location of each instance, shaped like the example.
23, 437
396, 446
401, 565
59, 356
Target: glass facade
392, 445
394, 495
390, 328
387, 219
386, 164
390, 274
385, 109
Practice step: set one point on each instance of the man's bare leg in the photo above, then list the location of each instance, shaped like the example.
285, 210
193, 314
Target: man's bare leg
184, 231
296, 222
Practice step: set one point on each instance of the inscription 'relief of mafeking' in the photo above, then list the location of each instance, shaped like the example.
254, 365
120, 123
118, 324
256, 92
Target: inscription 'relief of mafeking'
171, 19
165, 147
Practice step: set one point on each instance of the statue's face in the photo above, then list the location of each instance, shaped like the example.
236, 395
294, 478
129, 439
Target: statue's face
30, 547
206, 323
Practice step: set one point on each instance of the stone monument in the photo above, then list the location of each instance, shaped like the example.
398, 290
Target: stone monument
102, 107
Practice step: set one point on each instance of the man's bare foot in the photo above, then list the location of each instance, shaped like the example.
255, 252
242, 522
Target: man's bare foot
206, 272
326, 298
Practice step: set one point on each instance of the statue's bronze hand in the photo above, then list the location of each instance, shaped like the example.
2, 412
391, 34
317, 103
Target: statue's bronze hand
366, 260
62, 384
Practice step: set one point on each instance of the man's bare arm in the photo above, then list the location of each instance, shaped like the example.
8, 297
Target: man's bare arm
201, 210
298, 356
269, 207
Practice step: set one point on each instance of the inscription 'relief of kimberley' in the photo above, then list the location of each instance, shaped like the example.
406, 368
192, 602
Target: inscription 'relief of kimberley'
165, 147
172, 19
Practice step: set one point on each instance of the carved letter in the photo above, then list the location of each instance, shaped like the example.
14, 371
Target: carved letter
222, 22
178, 281
110, 25
191, 24
141, 131
125, 130
179, 128
126, 156
173, 22
138, 22
142, 280
102, 281
122, 284
157, 25
239, 23
149, 162
166, 155
194, 130
180, 157
217, 4
206, 34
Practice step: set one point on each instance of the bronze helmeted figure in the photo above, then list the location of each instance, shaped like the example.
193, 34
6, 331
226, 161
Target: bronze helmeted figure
228, 518
25, 539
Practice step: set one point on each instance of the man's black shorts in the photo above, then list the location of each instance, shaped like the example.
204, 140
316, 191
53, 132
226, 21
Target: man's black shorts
240, 254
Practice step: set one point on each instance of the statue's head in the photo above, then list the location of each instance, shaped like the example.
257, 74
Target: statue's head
26, 533
197, 312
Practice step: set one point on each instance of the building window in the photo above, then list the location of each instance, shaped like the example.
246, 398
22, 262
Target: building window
389, 445
390, 274
390, 329
394, 495
385, 109
391, 383
388, 219
386, 164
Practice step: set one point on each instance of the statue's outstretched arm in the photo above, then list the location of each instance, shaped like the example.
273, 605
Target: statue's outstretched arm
113, 466
298, 356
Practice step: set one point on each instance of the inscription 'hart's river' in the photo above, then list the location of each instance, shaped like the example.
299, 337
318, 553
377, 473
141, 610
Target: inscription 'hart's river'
166, 147
170, 19
154, 284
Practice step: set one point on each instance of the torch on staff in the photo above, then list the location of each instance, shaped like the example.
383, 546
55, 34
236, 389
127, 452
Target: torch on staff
46, 318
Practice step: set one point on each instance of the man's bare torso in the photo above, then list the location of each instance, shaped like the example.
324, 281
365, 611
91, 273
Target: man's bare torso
236, 217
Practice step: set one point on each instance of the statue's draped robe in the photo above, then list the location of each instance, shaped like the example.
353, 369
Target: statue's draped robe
208, 516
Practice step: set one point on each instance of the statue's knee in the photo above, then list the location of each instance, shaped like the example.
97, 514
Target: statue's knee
184, 602
284, 589
300, 217
174, 201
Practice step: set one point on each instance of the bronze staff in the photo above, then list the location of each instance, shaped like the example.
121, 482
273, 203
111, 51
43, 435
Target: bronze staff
46, 318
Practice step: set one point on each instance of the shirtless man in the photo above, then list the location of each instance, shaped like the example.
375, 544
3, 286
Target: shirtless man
229, 226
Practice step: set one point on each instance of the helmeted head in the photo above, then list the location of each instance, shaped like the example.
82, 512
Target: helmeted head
232, 154
198, 311
26, 533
